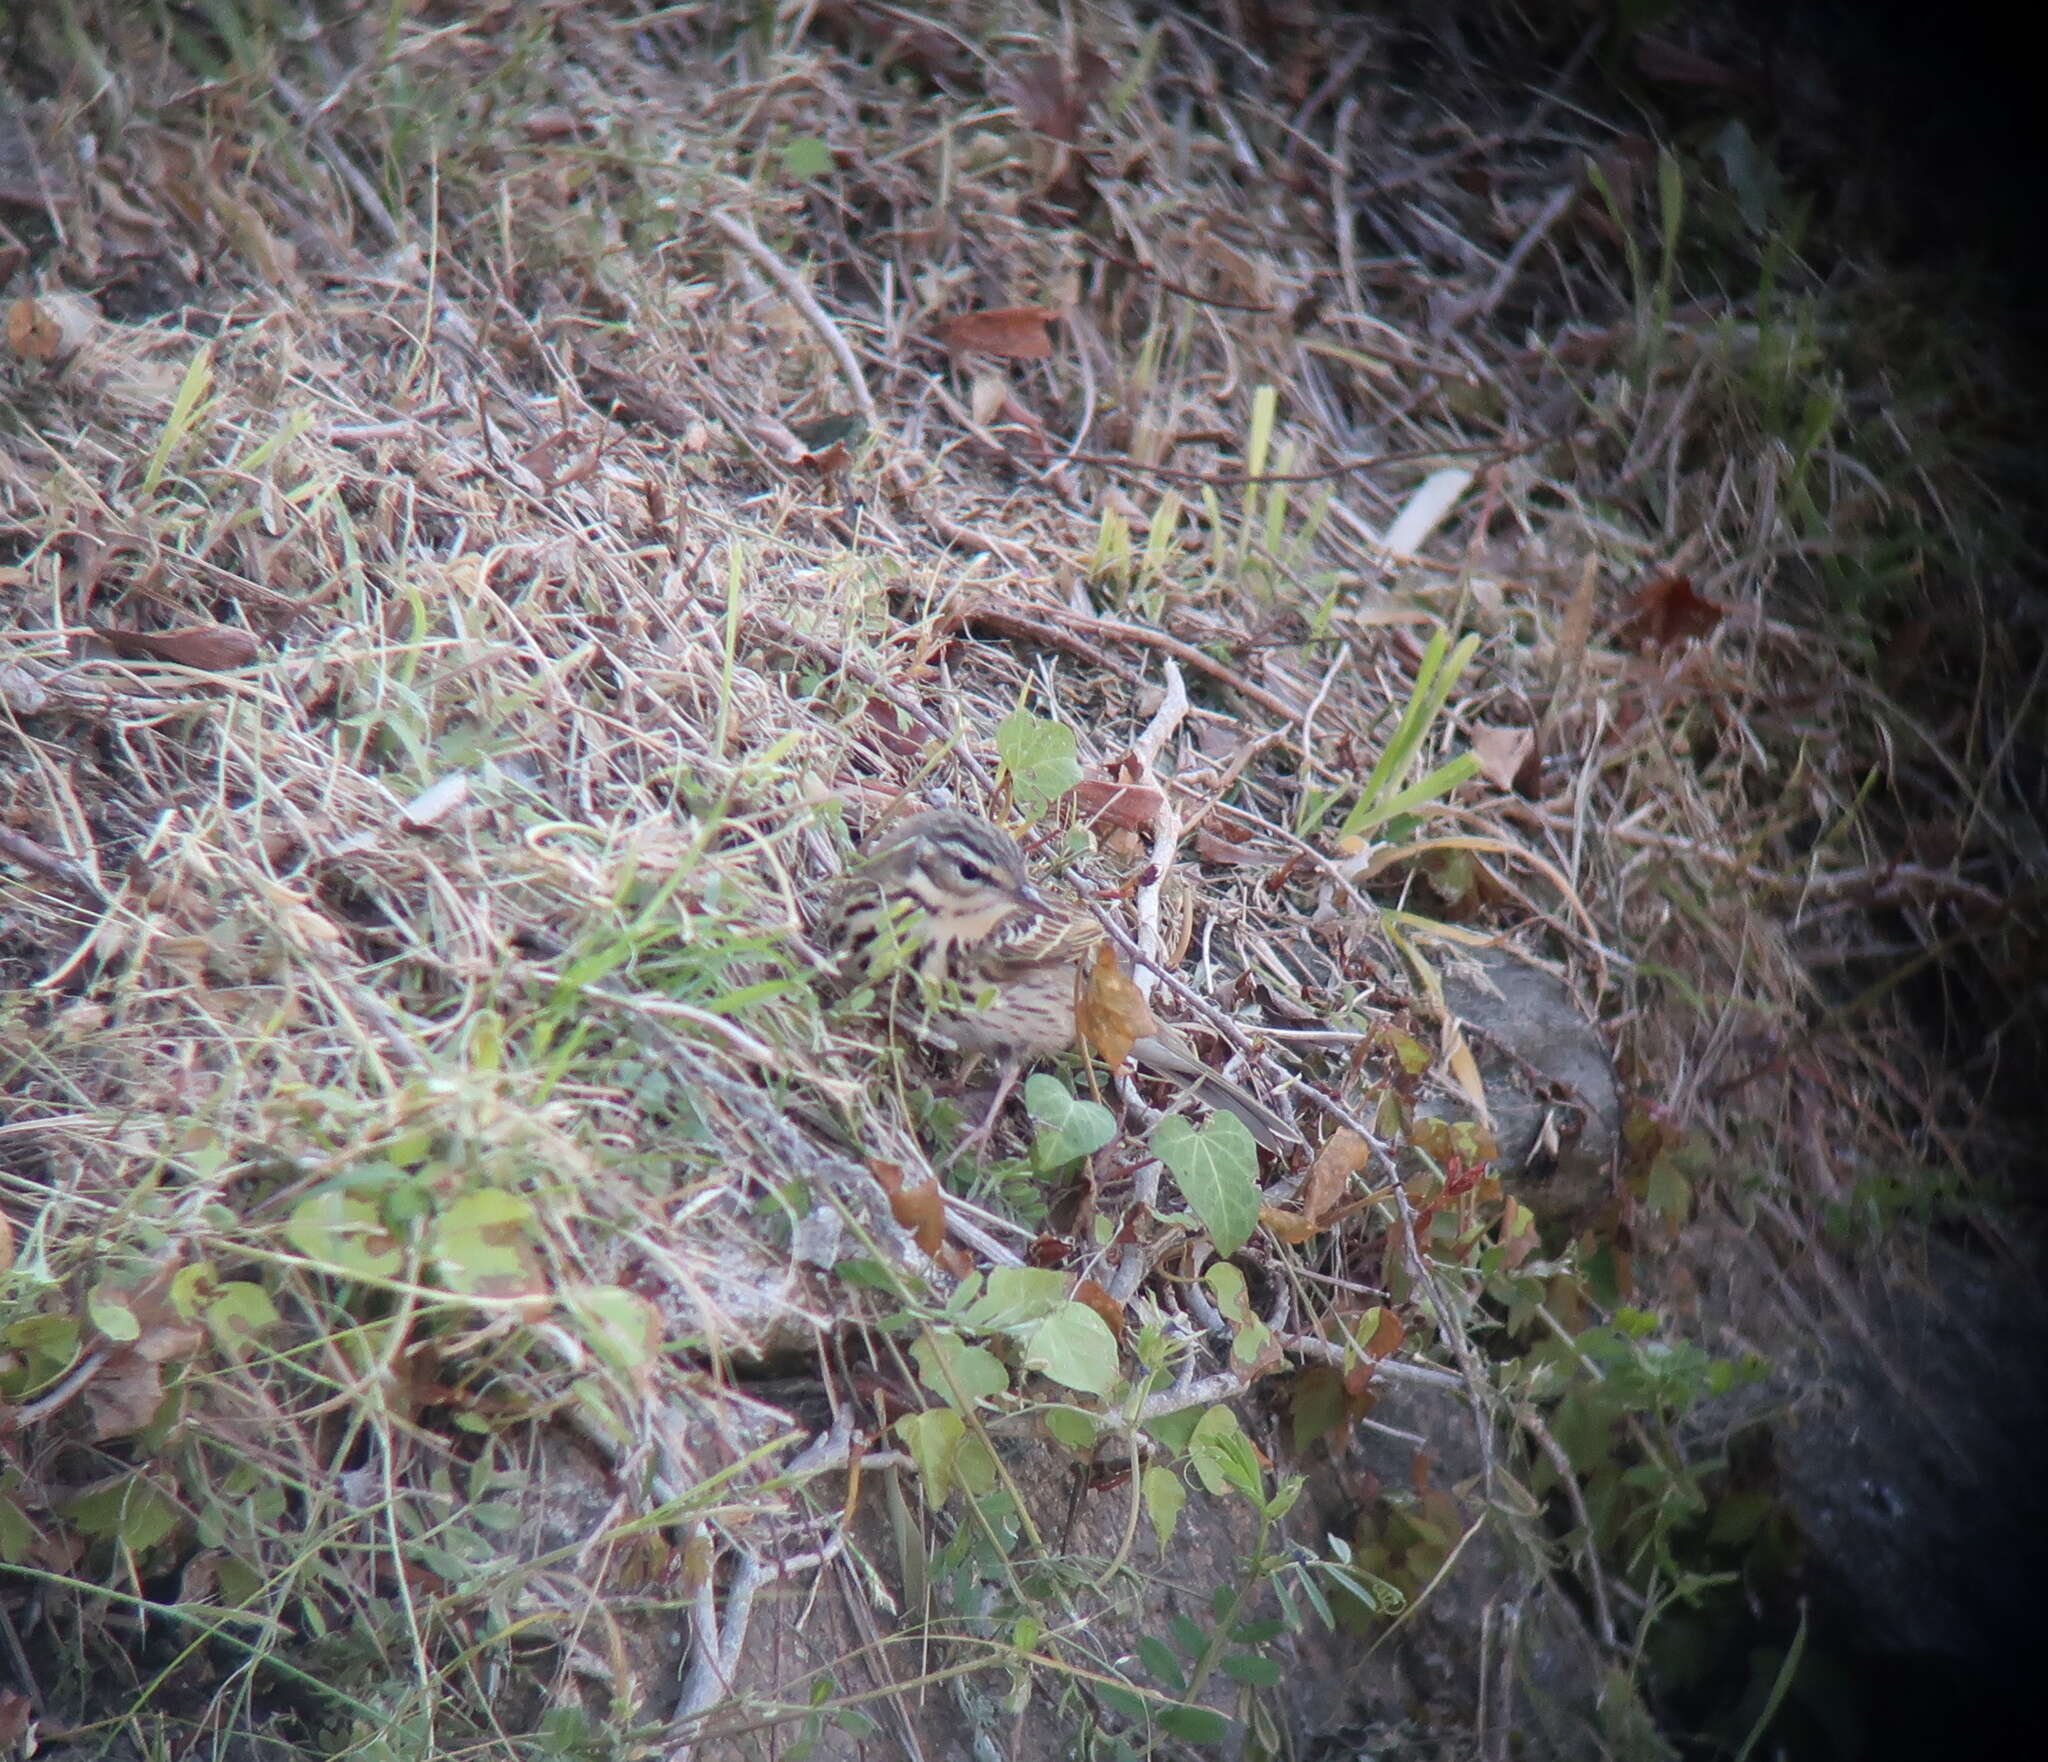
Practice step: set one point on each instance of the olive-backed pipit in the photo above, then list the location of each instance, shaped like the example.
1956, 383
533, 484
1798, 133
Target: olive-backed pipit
941, 915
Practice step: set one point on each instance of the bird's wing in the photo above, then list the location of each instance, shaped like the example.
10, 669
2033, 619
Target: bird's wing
1027, 940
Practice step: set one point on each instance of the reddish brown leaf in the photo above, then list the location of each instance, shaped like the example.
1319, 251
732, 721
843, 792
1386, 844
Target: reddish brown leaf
17, 1719
1112, 1015
1132, 806
1054, 100
1323, 1403
1666, 612
1016, 333
209, 648
552, 122
1048, 1250
1098, 1299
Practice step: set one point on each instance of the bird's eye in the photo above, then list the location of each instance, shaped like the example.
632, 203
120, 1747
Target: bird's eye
972, 873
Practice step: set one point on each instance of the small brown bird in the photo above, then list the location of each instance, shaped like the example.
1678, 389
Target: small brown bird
941, 914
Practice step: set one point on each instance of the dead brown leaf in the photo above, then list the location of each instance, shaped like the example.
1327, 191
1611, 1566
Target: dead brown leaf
1132, 806
1098, 1299
1666, 612
51, 327
1343, 1154
1112, 1015
124, 1397
1053, 99
208, 648
919, 1207
1503, 754
1014, 333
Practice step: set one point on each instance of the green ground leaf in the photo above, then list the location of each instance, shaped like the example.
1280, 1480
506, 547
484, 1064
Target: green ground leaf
1075, 1348
1165, 1493
620, 1326
1016, 1297
1069, 1128
480, 1245
239, 1312
805, 157
114, 1319
1217, 1171
1252, 1668
1039, 757
931, 1439
345, 1232
1194, 1725
1223, 1457
130, 1511
955, 1371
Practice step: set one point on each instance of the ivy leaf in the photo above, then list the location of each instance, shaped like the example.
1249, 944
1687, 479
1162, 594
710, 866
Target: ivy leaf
1039, 757
1217, 1171
1068, 1127
1075, 1348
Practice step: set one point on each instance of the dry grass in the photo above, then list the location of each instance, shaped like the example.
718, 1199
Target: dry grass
438, 972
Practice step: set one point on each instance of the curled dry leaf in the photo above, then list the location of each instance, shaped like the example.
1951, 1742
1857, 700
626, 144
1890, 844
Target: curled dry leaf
1502, 754
21, 691
918, 1206
51, 327
1015, 333
208, 648
1112, 1015
1343, 1154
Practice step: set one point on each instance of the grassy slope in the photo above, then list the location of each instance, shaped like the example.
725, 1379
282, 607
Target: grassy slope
412, 1052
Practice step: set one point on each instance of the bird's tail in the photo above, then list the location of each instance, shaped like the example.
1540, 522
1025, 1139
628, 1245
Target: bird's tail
1214, 1089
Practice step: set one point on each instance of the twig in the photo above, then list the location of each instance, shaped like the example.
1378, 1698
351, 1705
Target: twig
1551, 213
1568, 1476
744, 238
52, 867
75, 1379
1172, 711
1184, 652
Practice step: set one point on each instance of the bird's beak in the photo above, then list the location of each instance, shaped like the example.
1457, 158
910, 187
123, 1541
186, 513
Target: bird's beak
1029, 895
